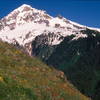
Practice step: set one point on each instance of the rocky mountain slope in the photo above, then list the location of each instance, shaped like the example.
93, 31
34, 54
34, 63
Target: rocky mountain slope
23, 25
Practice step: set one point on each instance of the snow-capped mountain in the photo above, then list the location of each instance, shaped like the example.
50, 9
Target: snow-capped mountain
25, 23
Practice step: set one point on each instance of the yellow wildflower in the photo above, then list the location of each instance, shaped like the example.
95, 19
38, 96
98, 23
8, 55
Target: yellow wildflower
1, 79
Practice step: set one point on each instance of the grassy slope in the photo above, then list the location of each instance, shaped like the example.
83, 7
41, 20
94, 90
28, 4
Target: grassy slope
26, 78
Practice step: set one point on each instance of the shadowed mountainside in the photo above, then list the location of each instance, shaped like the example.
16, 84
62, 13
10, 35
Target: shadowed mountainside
80, 60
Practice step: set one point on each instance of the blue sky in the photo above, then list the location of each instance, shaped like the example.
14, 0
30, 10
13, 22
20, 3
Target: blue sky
86, 12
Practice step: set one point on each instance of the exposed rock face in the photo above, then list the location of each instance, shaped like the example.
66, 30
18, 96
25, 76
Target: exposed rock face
37, 31
25, 24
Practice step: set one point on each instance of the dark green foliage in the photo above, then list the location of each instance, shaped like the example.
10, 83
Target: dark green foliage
80, 60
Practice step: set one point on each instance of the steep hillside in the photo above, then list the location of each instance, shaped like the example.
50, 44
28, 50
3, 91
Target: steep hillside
26, 78
80, 60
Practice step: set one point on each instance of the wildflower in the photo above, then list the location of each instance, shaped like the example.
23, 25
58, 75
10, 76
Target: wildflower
1, 79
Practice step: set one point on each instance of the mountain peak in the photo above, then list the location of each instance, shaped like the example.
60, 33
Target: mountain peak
24, 14
25, 5
25, 23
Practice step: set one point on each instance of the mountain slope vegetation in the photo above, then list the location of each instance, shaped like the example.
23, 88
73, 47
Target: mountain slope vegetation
26, 78
80, 60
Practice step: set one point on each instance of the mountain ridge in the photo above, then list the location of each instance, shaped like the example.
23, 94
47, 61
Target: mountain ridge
57, 41
25, 23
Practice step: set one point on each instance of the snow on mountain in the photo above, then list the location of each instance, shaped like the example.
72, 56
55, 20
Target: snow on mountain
25, 23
